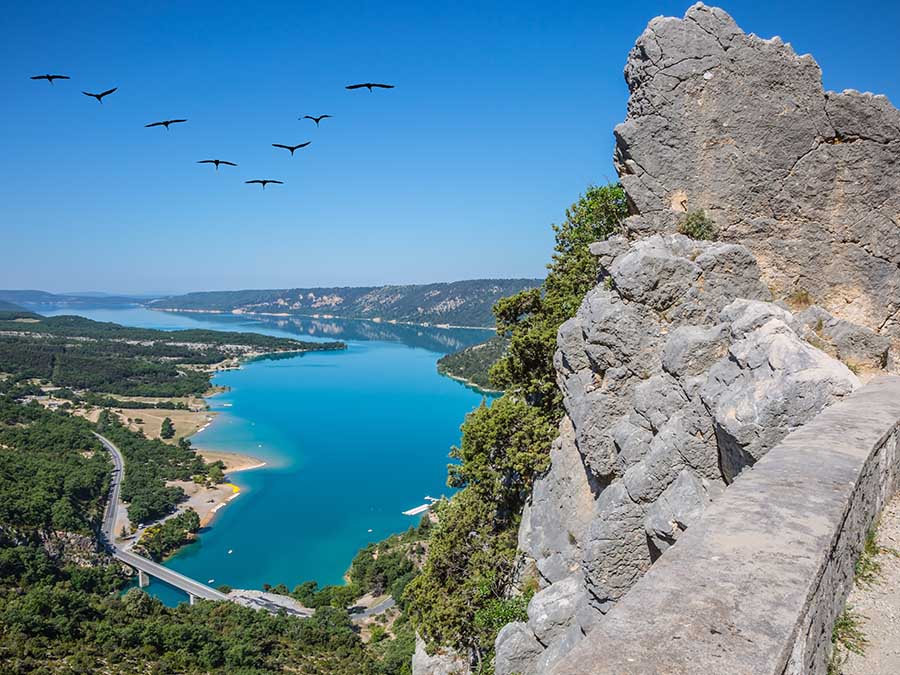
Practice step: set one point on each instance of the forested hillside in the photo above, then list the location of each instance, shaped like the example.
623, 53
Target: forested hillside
78, 353
458, 303
473, 364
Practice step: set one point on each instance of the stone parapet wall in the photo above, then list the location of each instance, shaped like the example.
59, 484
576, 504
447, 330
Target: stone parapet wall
755, 585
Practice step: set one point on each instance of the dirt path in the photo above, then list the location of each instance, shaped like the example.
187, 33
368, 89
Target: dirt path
879, 604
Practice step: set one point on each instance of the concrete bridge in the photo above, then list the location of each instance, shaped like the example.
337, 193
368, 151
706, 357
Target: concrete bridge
147, 568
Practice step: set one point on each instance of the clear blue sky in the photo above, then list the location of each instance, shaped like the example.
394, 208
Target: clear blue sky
502, 114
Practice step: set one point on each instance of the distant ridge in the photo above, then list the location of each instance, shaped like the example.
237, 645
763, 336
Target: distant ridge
34, 297
456, 303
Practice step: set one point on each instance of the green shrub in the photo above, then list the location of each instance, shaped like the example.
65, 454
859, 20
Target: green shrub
698, 225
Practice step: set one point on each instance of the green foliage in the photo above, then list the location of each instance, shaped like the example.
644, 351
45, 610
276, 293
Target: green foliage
158, 541
503, 447
167, 430
149, 463
531, 318
463, 595
846, 637
376, 568
698, 225
52, 470
79, 353
52, 618
473, 364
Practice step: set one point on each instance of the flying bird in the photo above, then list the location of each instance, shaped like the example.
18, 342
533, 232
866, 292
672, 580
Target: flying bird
100, 96
291, 147
50, 78
314, 119
369, 85
265, 182
216, 162
164, 123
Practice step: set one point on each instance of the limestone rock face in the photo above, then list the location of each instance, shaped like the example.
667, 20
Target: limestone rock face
807, 180
678, 372
444, 662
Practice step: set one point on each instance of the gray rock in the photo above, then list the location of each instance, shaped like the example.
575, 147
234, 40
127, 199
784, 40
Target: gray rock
552, 611
742, 128
849, 342
691, 350
677, 508
557, 649
515, 650
770, 384
443, 662
561, 507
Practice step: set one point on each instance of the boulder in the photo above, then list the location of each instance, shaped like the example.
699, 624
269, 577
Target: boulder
443, 662
515, 650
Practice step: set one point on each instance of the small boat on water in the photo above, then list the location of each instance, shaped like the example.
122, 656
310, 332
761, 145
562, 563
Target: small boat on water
210, 581
230, 551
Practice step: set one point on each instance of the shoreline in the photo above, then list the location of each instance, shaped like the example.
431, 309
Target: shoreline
470, 384
324, 317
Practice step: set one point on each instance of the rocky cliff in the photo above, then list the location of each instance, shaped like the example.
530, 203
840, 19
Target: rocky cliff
685, 365
741, 127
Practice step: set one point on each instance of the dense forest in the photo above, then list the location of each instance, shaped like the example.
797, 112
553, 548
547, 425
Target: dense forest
78, 353
473, 364
458, 303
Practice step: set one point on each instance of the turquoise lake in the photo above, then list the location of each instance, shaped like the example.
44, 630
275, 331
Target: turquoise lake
351, 439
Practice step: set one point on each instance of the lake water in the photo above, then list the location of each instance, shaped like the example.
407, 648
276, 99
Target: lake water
351, 439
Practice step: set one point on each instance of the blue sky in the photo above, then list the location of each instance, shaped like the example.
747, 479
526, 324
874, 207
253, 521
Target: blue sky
502, 114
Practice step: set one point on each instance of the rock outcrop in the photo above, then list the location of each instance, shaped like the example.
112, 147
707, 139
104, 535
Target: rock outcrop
742, 128
678, 373
687, 363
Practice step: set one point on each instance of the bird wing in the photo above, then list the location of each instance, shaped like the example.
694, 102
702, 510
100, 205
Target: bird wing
305, 117
355, 86
383, 86
87, 93
322, 117
279, 145
40, 77
175, 121
222, 161
209, 161
154, 124
60, 77
302, 145
276, 181
108, 92
254, 181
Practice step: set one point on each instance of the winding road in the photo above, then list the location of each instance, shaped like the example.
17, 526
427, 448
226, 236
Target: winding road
193, 588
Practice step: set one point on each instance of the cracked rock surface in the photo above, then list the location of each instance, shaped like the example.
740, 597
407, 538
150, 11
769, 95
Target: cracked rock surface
742, 128
678, 373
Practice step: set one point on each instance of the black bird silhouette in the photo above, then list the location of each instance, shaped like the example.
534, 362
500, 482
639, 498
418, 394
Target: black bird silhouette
164, 123
291, 147
50, 78
100, 96
369, 85
314, 119
216, 162
264, 182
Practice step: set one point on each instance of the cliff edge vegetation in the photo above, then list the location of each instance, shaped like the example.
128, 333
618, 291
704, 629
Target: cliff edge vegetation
465, 593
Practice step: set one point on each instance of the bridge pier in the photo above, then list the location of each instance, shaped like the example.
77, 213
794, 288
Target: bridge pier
191, 598
143, 579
